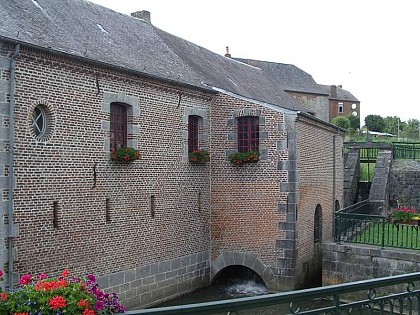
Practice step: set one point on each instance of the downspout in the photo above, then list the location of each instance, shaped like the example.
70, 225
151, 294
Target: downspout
11, 227
334, 182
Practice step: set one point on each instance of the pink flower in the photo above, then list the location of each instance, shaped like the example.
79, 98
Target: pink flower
25, 279
1, 273
42, 276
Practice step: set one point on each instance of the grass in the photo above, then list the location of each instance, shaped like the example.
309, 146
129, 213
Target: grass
367, 171
395, 235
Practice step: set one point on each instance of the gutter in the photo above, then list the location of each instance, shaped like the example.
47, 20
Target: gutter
11, 226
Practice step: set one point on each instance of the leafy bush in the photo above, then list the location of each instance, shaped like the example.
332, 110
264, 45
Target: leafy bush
56, 296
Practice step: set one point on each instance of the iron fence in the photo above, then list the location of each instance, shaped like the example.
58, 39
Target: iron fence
391, 295
354, 225
409, 151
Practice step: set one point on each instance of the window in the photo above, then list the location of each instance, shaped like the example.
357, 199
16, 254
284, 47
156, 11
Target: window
340, 107
118, 135
317, 224
193, 131
41, 122
248, 134
38, 121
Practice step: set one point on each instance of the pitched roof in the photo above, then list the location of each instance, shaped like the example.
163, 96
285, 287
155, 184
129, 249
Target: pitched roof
342, 95
287, 76
87, 30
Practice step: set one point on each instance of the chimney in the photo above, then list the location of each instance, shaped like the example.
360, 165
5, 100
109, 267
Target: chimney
143, 15
333, 91
340, 86
227, 52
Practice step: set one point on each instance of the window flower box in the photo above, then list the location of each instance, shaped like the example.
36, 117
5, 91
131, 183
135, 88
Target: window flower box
125, 154
199, 156
241, 158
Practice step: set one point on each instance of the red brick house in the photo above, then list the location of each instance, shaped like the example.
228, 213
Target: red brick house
78, 81
342, 102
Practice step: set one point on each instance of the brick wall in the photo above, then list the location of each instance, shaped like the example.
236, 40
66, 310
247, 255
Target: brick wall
71, 171
315, 144
245, 199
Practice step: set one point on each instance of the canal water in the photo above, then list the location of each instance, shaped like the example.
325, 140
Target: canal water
238, 288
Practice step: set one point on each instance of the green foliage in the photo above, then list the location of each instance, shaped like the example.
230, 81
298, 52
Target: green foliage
341, 121
354, 121
391, 124
240, 158
402, 214
367, 171
125, 154
375, 123
411, 129
199, 156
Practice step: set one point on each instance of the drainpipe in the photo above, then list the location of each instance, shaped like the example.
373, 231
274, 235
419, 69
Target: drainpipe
334, 182
11, 227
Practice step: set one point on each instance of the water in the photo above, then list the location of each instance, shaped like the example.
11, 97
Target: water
237, 289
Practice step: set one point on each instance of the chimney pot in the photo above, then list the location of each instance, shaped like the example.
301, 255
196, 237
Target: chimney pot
144, 15
227, 52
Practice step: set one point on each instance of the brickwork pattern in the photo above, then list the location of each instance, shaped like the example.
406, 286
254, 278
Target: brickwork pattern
72, 172
315, 164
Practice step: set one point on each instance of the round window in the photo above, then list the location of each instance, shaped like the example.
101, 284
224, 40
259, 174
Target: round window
41, 122
354, 113
354, 106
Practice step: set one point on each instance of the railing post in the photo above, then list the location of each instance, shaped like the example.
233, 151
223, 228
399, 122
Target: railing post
383, 233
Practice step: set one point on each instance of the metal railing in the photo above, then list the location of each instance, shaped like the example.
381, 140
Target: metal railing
409, 151
354, 225
391, 295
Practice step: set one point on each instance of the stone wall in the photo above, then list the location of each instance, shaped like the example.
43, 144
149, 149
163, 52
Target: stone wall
349, 262
379, 190
405, 184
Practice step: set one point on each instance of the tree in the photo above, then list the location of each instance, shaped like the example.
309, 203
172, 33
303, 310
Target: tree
391, 125
411, 129
375, 123
354, 121
341, 121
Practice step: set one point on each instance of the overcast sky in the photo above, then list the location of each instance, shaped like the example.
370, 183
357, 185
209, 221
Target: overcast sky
371, 47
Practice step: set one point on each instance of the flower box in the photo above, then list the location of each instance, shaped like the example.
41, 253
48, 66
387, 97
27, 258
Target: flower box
125, 154
199, 156
241, 158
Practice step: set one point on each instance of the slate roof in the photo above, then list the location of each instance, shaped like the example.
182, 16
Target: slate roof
287, 76
90, 31
342, 94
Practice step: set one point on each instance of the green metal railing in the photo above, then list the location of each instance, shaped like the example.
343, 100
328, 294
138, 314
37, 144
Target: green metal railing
410, 151
354, 225
367, 297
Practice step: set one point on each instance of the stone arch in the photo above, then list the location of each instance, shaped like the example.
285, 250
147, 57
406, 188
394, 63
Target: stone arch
248, 260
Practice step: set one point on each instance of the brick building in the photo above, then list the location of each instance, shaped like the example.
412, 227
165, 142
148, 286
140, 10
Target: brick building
78, 80
341, 102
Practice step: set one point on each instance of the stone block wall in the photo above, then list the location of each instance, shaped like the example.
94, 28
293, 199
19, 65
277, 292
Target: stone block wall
379, 190
404, 184
349, 262
88, 213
